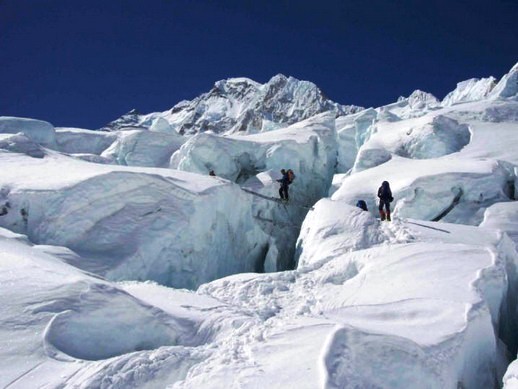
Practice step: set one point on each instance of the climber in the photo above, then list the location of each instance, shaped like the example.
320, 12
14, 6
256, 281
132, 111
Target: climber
285, 182
212, 173
385, 196
362, 204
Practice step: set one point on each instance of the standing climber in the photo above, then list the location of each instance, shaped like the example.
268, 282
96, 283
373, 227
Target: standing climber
285, 182
385, 196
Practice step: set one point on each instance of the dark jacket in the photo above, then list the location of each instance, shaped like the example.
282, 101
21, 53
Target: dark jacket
384, 192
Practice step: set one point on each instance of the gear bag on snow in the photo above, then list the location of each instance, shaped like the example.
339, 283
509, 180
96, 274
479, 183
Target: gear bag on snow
362, 204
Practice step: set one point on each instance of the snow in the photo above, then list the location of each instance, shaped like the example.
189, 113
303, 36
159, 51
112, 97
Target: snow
269, 352
123, 264
68, 318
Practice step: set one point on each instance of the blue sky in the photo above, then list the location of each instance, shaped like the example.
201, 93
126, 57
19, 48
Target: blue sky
84, 63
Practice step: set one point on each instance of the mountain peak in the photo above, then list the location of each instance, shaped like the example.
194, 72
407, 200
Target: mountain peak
280, 77
240, 104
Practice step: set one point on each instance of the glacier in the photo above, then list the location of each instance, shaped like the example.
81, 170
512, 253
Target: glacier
124, 264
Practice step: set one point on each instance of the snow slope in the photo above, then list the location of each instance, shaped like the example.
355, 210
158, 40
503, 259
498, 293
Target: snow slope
416, 307
57, 321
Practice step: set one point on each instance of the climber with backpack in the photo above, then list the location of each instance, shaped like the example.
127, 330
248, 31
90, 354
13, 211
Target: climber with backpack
385, 196
287, 178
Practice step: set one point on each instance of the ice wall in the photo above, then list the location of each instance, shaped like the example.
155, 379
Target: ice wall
81, 141
151, 147
307, 147
143, 148
37, 130
423, 138
177, 228
352, 132
254, 162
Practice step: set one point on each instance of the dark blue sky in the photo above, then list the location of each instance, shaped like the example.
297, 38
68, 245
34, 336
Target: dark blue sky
84, 63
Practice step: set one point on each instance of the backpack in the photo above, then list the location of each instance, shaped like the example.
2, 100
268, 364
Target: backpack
362, 204
291, 176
